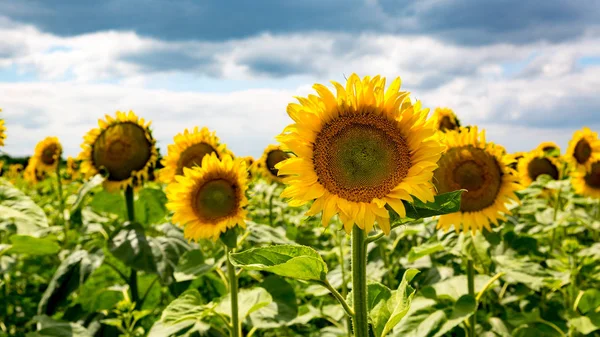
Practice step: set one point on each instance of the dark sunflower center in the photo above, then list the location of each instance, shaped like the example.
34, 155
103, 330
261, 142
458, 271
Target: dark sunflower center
447, 124
539, 166
275, 157
50, 154
121, 149
592, 178
583, 151
474, 170
192, 156
216, 199
361, 157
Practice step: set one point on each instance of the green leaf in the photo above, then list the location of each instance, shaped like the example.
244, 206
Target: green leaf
590, 301
187, 307
52, 328
84, 190
295, 261
150, 206
284, 307
455, 287
98, 293
463, 309
19, 210
264, 234
424, 250
586, 324
131, 246
229, 238
71, 273
23, 244
445, 203
249, 301
191, 265
401, 299
107, 202
167, 251
519, 270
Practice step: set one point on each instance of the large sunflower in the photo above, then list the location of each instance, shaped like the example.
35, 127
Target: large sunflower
272, 156
2, 131
480, 168
122, 148
445, 119
209, 199
47, 154
358, 152
537, 163
587, 182
549, 148
583, 149
188, 150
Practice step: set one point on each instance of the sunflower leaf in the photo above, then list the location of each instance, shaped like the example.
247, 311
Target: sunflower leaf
445, 203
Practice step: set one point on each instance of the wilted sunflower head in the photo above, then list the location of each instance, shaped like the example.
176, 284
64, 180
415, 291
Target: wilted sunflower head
2, 131
549, 148
472, 164
537, 163
209, 199
445, 119
586, 182
47, 154
272, 156
358, 151
122, 149
188, 150
583, 149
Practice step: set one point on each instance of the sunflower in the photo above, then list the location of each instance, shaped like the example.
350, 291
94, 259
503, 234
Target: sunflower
122, 148
188, 150
33, 173
47, 154
514, 159
479, 167
550, 148
209, 199
2, 131
445, 119
537, 163
587, 182
358, 152
584, 148
249, 160
73, 166
272, 156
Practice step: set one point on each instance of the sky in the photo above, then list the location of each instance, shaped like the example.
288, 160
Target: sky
526, 71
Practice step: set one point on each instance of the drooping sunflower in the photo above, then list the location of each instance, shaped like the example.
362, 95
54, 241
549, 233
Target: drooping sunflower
445, 119
2, 131
209, 199
272, 156
537, 163
188, 151
122, 148
47, 154
479, 167
358, 152
549, 148
587, 182
583, 149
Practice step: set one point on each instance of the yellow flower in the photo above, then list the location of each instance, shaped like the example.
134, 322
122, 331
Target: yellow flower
33, 174
587, 182
537, 163
266, 165
47, 154
73, 166
188, 150
209, 199
122, 148
514, 159
445, 119
358, 152
2, 131
549, 148
583, 149
479, 167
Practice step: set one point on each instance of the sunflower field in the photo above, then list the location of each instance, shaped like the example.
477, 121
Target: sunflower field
369, 217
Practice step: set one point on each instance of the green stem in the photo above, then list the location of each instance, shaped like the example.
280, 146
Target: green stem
271, 208
236, 328
61, 203
471, 285
129, 202
133, 281
339, 297
359, 282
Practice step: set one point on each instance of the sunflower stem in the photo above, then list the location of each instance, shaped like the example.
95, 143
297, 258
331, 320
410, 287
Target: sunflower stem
129, 201
359, 282
61, 203
133, 281
471, 286
236, 328
271, 208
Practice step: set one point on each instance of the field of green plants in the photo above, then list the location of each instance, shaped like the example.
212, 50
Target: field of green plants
84, 254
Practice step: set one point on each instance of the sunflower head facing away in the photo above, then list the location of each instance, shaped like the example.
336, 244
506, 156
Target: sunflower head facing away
358, 151
587, 182
188, 150
2, 131
122, 149
272, 156
471, 163
445, 119
210, 198
537, 163
549, 148
584, 148
47, 154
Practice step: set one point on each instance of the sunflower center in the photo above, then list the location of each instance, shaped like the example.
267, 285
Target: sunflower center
50, 154
275, 157
539, 166
360, 157
583, 151
192, 156
121, 149
216, 199
474, 170
447, 124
